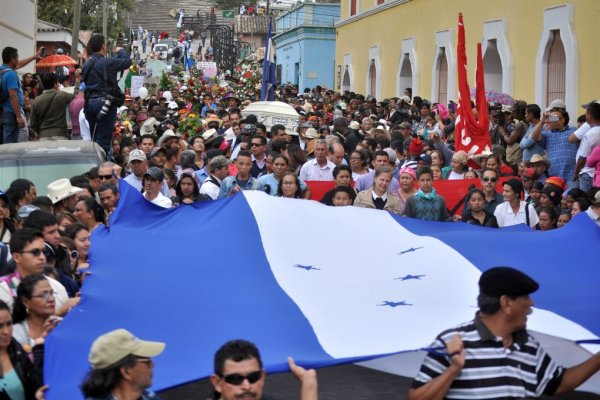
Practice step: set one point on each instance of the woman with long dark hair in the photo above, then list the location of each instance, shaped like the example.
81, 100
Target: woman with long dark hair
16, 368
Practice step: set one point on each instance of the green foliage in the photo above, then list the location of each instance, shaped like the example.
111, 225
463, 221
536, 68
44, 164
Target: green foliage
230, 4
60, 12
165, 82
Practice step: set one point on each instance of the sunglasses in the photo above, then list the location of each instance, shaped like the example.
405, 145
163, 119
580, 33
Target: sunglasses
490, 179
105, 177
34, 252
255, 144
238, 379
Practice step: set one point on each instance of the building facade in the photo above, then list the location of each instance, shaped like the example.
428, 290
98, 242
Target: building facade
535, 50
305, 45
18, 28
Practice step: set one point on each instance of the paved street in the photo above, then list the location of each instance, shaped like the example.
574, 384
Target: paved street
345, 382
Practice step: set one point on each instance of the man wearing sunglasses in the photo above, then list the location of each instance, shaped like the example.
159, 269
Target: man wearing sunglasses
29, 254
489, 180
121, 367
239, 373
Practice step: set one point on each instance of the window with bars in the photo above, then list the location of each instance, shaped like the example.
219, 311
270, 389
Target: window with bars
442, 77
372, 79
556, 69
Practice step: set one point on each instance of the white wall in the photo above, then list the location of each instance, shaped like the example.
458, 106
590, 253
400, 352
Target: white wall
17, 28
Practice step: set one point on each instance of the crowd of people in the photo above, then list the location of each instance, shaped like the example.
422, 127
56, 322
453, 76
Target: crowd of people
542, 169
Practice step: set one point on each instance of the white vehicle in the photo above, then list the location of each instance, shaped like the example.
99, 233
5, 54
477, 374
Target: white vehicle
161, 50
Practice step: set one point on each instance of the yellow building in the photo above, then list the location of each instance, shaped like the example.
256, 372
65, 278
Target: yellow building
535, 50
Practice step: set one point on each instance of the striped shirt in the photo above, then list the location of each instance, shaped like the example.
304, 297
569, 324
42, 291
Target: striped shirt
492, 371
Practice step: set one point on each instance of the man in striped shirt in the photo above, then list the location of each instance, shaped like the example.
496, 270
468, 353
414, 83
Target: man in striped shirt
493, 356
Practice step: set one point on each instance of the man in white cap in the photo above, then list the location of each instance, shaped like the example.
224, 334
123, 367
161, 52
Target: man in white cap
138, 163
121, 367
62, 194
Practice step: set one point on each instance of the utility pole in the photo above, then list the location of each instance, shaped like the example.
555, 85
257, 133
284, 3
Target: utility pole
105, 19
75, 31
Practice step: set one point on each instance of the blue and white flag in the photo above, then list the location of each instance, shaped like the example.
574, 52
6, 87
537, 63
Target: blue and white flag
269, 80
325, 285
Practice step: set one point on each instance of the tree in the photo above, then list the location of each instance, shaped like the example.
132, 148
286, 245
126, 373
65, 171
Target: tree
60, 12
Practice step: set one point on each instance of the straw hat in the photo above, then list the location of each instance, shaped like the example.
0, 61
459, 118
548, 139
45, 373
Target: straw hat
61, 189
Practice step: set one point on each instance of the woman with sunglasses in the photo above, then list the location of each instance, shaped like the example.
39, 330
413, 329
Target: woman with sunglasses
359, 163
33, 312
20, 378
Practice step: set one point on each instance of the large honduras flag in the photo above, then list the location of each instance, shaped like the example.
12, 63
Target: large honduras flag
324, 285
269, 80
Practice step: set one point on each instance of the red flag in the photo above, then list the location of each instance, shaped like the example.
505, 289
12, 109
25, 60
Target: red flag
471, 135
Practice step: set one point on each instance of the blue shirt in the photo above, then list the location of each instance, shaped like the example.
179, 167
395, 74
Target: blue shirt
94, 80
530, 146
560, 152
206, 108
10, 80
232, 181
202, 175
271, 184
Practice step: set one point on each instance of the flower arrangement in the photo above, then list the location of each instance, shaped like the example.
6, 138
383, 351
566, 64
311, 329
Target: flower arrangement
246, 81
190, 124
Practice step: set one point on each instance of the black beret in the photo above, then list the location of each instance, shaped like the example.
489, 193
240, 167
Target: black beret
508, 281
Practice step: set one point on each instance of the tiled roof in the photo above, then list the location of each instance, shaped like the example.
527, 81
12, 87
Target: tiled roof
258, 24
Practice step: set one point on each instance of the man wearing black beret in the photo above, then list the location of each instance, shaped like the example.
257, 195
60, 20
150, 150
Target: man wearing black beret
493, 356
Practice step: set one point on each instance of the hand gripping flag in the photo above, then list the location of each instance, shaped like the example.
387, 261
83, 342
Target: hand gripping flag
269, 80
472, 135
325, 285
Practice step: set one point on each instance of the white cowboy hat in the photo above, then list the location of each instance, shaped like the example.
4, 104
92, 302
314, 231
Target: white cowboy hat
165, 136
61, 189
148, 125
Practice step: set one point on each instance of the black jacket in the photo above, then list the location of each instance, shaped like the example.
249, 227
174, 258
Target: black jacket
30, 374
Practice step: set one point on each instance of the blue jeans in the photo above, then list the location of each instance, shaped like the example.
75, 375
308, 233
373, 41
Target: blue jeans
101, 129
10, 128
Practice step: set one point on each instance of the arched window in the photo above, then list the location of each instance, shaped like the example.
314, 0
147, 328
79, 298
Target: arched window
492, 66
556, 69
372, 79
442, 95
353, 7
406, 75
346, 80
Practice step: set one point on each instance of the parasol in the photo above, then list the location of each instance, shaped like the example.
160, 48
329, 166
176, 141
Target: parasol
493, 96
56, 60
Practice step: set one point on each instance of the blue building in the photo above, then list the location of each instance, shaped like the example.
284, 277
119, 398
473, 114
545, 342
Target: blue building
305, 45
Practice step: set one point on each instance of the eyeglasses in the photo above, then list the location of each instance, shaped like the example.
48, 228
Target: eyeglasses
147, 361
105, 177
238, 379
34, 252
44, 295
490, 179
255, 144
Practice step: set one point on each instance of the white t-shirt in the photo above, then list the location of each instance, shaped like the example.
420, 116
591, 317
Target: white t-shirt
589, 141
162, 200
506, 217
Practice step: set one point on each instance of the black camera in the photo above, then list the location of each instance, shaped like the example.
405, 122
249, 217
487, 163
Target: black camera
106, 106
